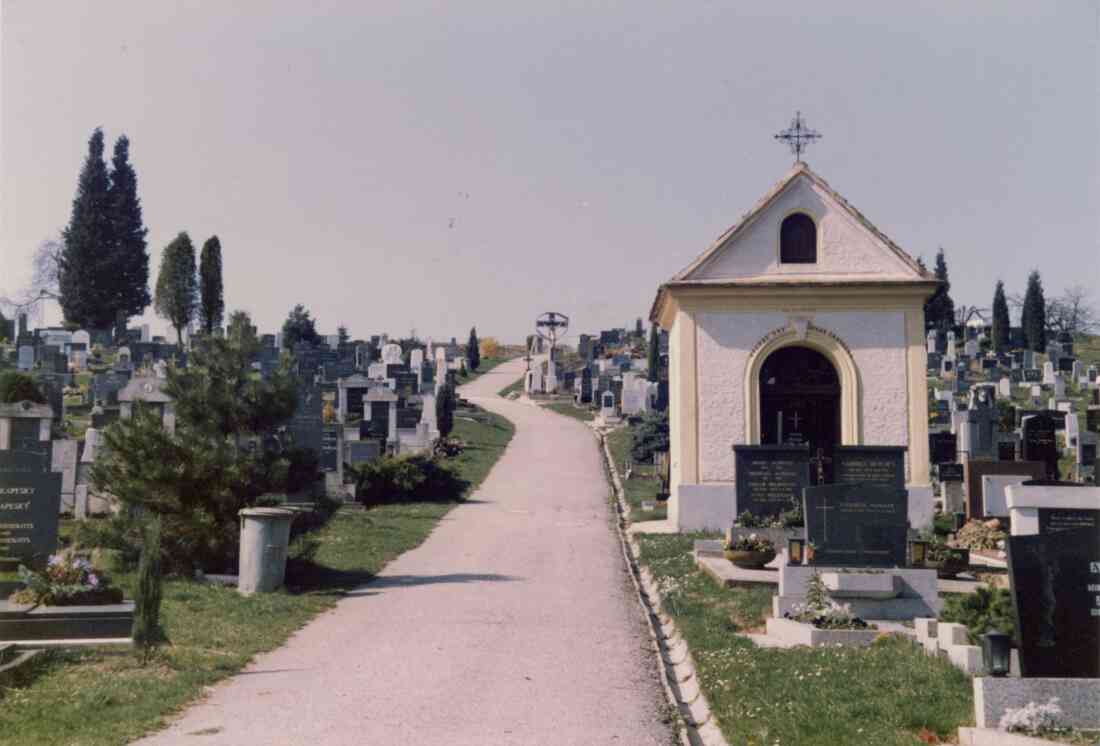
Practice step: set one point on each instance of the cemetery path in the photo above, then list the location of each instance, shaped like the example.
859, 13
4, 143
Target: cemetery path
513, 623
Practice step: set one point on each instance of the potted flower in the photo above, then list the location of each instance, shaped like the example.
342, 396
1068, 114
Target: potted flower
752, 551
946, 560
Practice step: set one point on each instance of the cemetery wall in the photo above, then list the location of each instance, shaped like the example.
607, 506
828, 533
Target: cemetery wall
878, 345
844, 247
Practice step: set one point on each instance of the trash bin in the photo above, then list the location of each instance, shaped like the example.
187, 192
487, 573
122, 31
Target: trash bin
265, 534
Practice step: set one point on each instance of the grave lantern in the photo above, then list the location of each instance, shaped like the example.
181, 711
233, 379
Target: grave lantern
918, 552
997, 653
794, 551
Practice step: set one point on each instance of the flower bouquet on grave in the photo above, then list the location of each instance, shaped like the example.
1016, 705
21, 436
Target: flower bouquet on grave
68, 580
750, 552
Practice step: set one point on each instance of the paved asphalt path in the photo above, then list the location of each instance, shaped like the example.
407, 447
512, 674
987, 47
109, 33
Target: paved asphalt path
513, 623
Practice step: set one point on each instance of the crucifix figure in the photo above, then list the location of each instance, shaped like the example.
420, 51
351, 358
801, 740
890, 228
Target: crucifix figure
795, 419
798, 136
819, 461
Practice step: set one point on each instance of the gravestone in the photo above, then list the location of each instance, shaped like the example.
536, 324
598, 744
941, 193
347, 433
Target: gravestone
1038, 443
1006, 450
882, 466
768, 478
1054, 576
1033, 375
857, 525
942, 447
994, 497
950, 472
30, 500
975, 470
1092, 419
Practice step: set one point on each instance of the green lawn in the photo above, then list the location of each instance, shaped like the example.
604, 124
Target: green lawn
101, 696
643, 483
886, 694
515, 386
569, 409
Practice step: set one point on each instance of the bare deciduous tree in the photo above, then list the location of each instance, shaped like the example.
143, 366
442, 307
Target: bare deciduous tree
44, 284
1072, 312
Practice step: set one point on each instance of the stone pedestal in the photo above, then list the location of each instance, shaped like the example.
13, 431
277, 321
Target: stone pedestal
1078, 698
915, 592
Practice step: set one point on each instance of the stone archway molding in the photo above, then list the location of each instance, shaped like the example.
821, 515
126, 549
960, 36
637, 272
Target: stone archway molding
800, 332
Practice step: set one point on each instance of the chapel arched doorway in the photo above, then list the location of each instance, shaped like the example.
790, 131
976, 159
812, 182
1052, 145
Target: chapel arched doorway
800, 404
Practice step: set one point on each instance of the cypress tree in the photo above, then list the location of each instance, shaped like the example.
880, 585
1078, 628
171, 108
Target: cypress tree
445, 409
473, 353
299, 327
212, 305
147, 632
654, 361
1001, 320
939, 310
1035, 313
87, 282
177, 285
129, 264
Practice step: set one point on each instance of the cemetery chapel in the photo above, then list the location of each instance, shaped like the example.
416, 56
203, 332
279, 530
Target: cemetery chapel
802, 324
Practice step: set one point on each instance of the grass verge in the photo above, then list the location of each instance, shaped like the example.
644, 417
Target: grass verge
888, 694
643, 483
571, 410
99, 696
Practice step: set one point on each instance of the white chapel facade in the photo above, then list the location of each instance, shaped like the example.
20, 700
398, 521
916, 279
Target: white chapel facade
803, 323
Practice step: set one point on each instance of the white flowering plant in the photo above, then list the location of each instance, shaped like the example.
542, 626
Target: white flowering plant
750, 543
1033, 718
67, 580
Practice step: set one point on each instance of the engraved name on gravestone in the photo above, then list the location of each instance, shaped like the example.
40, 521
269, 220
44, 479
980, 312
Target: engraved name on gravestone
30, 500
1055, 581
857, 525
769, 477
880, 465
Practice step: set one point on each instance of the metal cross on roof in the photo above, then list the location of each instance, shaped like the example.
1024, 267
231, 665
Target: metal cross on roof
798, 136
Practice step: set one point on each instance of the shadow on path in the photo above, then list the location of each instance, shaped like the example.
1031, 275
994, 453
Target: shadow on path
404, 581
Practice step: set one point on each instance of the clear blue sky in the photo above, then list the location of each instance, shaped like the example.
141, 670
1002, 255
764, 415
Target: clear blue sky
399, 165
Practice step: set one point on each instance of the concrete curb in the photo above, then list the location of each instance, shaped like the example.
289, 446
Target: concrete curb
678, 679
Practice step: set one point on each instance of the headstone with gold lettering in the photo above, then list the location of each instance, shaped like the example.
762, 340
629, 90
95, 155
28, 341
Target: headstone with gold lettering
30, 500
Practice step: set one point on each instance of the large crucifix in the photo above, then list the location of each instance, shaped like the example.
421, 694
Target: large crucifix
798, 136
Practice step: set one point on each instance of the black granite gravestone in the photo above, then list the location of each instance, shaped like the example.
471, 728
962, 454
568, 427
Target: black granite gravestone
1033, 375
879, 465
769, 477
1055, 581
950, 472
1038, 442
1092, 419
1006, 450
30, 500
942, 447
857, 525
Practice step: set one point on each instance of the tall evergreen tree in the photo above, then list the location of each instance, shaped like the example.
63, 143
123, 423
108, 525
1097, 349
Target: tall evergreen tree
654, 361
445, 409
177, 284
939, 310
212, 305
87, 283
299, 327
129, 256
1035, 313
473, 351
1001, 321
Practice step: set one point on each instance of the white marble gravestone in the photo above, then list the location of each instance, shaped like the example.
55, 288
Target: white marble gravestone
994, 496
391, 354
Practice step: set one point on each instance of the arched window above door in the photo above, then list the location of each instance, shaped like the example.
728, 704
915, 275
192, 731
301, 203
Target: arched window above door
798, 239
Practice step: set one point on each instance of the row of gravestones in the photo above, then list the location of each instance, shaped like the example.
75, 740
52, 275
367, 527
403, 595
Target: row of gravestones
861, 521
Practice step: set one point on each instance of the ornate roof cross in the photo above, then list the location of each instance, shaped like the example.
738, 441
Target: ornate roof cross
798, 136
